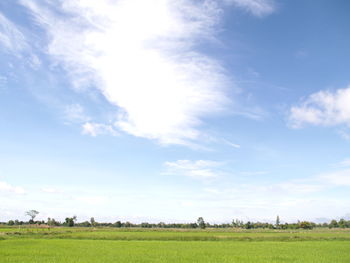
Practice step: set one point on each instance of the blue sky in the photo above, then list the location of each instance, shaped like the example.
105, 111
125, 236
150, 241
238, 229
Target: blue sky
170, 110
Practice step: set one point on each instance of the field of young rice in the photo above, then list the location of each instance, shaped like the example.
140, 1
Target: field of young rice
137, 245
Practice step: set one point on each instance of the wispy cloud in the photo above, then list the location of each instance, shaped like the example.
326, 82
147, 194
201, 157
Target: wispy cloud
234, 145
3, 82
344, 134
324, 108
344, 163
255, 173
94, 129
143, 57
5, 187
50, 190
11, 38
93, 200
337, 178
200, 169
256, 7
75, 113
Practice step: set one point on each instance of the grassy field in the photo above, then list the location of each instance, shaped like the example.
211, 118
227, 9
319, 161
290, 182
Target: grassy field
140, 245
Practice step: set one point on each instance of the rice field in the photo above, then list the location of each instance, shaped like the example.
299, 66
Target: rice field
159, 245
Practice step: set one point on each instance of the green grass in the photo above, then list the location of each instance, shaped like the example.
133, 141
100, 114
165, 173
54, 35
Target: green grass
38, 250
176, 235
158, 245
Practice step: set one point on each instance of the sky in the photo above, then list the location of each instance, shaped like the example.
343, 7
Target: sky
165, 110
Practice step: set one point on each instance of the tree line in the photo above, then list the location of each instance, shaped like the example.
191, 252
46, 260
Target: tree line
200, 223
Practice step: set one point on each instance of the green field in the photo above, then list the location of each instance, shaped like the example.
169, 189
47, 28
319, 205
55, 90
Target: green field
139, 245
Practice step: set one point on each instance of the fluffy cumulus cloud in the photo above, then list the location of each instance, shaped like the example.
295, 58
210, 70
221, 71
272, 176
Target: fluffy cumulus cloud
143, 57
324, 108
197, 169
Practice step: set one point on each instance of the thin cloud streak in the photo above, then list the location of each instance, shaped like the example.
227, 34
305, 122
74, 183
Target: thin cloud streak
200, 169
5, 187
258, 8
94, 129
11, 38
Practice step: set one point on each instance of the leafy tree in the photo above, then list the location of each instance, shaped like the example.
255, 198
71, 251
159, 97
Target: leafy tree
145, 225
333, 223
70, 221
32, 214
161, 224
85, 224
118, 224
248, 225
93, 222
305, 225
201, 223
277, 222
342, 223
11, 223
52, 222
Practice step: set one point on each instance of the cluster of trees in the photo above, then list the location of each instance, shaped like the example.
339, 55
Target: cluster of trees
72, 221
262, 225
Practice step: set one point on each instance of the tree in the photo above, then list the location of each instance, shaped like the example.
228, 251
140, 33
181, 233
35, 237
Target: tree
333, 223
278, 222
305, 225
342, 223
70, 221
52, 222
248, 225
201, 223
32, 214
92, 221
118, 224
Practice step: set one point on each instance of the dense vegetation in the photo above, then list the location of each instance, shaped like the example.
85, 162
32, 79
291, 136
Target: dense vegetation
72, 221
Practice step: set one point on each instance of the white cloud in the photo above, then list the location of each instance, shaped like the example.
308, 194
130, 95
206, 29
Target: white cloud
255, 173
3, 81
34, 62
5, 187
50, 190
256, 7
344, 163
234, 145
324, 108
297, 187
75, 113
212, 190
197, 169
142, 56
94, 129
10, 36
337, 178
93, 200
344, 134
